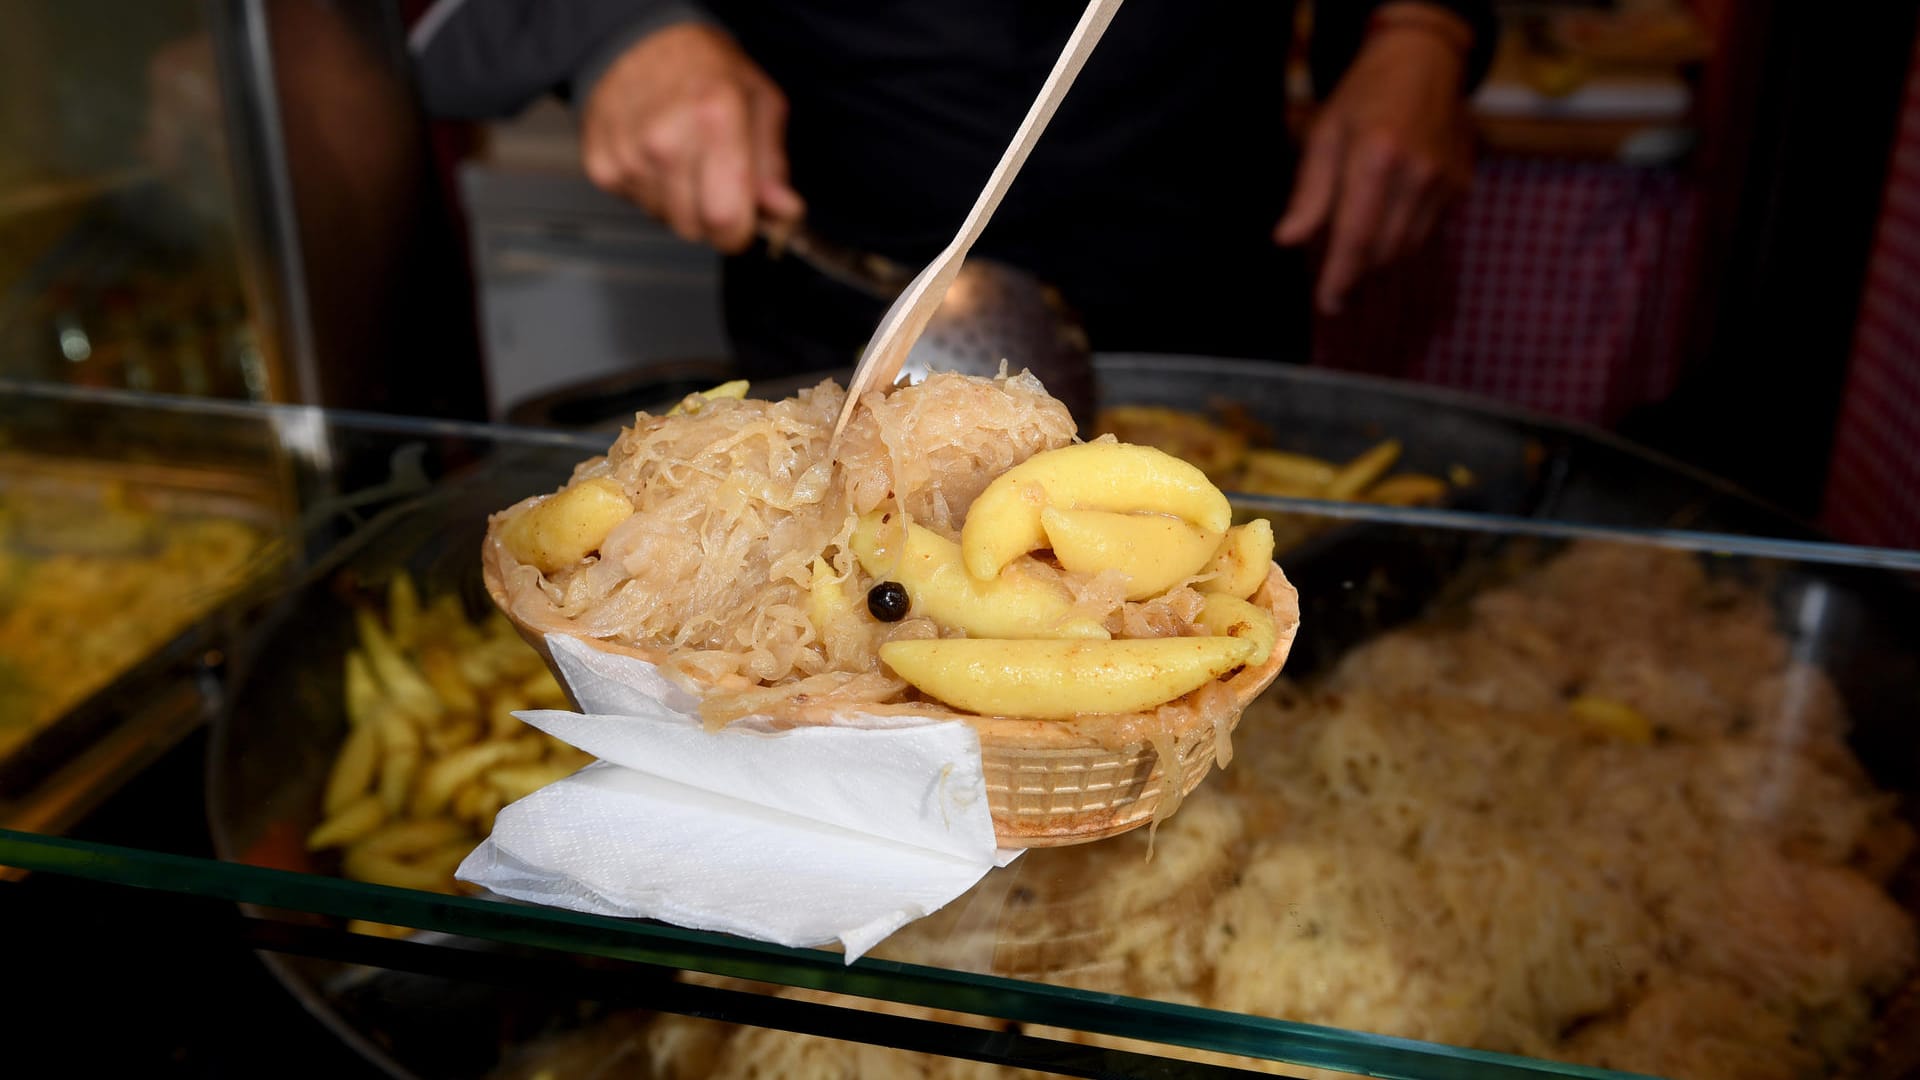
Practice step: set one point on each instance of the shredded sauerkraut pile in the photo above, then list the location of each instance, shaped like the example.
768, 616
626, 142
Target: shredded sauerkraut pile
1430, 843
735, 500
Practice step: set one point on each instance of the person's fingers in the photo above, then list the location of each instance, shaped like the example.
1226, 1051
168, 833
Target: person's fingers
611, 156
767, 127
1405, 192
1364, 179
600, 155
779, 202
687, 127
1314, 188
1454, 179
1426, 217
723, 174
669, 150
640, 180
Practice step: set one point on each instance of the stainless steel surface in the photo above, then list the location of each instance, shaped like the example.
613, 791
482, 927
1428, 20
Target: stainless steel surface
574, 283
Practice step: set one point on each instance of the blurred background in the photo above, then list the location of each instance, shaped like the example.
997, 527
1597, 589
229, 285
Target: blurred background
1692, 224
1691, 221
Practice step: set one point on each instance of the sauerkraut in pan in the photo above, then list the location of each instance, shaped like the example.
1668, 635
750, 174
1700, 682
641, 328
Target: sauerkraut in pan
724, 544
1435, 840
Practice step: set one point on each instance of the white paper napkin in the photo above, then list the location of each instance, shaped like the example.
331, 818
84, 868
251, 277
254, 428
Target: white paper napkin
799, 837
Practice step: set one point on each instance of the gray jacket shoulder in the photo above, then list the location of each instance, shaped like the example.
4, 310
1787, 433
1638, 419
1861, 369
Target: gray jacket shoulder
484, 59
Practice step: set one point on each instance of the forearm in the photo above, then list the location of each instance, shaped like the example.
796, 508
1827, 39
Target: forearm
478, 59
1340, 28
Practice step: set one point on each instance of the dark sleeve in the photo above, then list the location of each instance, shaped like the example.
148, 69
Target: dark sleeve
1339, 26
481, 59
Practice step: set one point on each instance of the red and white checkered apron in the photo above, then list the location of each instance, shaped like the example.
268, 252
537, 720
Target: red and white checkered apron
1873, 483
1557, 285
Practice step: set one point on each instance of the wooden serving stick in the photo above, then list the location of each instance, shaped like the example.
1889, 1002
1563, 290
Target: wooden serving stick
904, 321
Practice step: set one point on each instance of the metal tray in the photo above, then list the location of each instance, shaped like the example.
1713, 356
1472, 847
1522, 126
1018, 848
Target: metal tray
277, 735
243, 495
1856, 622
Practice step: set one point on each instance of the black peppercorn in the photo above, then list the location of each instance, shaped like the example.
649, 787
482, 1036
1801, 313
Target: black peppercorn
888, 601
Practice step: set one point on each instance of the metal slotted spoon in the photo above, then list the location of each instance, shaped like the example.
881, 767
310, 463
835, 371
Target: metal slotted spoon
993, 312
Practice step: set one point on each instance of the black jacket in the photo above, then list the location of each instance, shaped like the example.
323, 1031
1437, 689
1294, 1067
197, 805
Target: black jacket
1156, 184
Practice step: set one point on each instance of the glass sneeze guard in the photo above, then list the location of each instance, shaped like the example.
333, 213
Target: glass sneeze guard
1102, 942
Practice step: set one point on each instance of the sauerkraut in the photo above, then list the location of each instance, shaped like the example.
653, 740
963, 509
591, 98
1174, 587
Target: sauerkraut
1425, 843
742, 516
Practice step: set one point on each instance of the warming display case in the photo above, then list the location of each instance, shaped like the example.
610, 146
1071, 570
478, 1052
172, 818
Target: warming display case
232, 199
121, 242
133, 543
1583, 765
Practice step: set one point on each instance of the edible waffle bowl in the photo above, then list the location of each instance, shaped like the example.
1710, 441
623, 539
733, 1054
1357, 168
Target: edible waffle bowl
1055, 782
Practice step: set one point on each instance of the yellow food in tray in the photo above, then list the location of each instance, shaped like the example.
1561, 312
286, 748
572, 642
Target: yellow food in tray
89, 588
1053, 594
432, 749
1230, 458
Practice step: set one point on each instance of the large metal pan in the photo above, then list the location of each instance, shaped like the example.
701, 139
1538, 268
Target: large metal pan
1525, 464
273, 743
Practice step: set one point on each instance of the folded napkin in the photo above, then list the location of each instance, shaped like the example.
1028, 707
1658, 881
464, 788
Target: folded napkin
800, 837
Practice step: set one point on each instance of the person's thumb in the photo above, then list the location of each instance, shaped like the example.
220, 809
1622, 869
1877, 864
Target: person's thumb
1313, 190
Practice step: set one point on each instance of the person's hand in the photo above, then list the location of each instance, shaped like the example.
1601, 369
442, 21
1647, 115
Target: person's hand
687, 126
1386, 155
